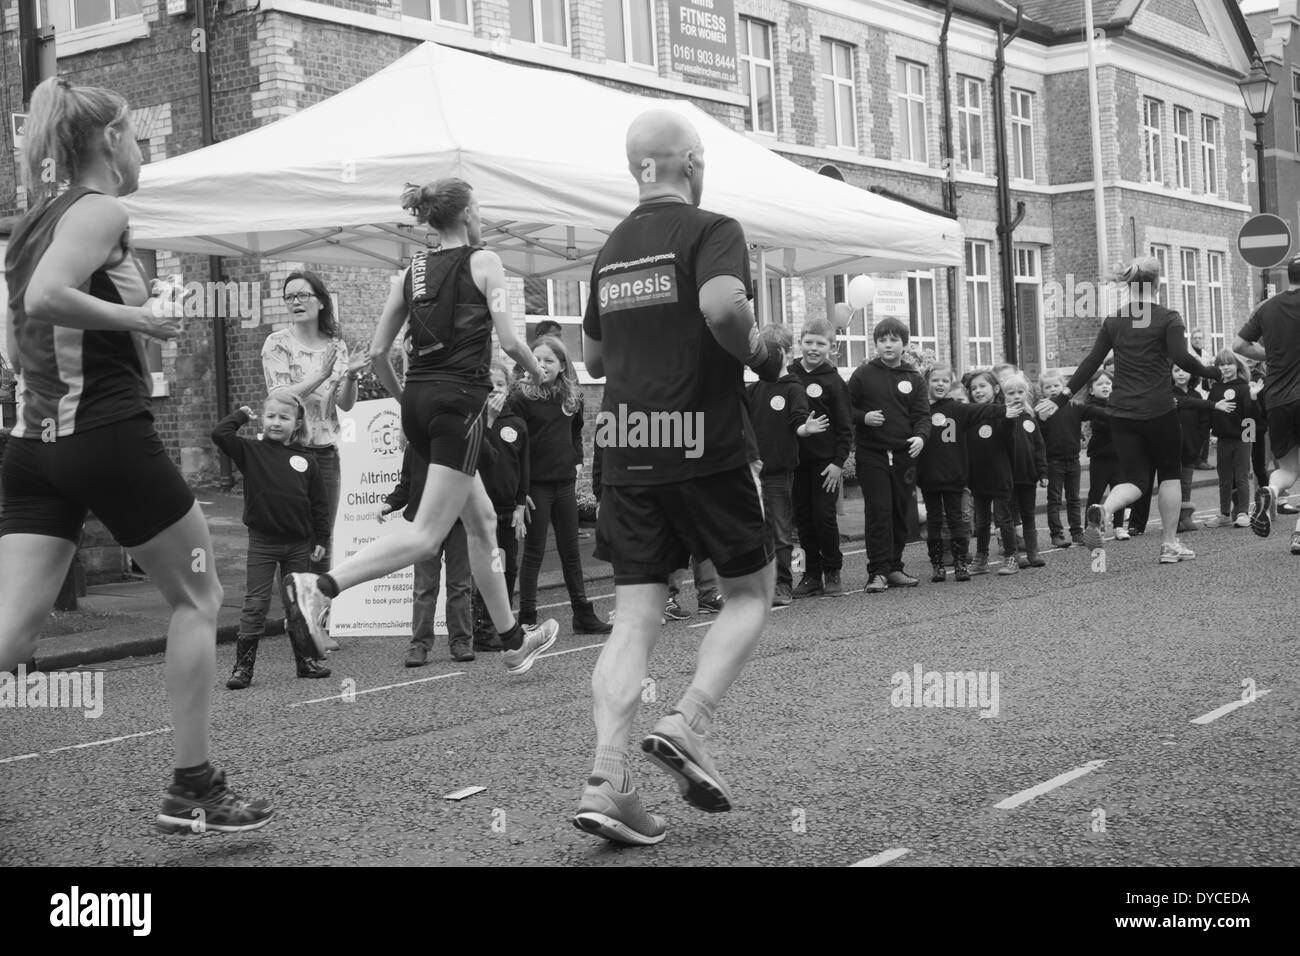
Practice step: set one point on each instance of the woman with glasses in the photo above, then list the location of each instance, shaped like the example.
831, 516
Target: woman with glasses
310, 359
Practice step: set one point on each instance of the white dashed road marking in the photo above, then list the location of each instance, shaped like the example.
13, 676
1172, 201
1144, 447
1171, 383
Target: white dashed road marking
1024, 796
1228, 708
883, 859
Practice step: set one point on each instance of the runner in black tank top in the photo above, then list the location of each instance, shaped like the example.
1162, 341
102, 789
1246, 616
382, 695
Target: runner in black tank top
1147, 340
77, 318
451, 299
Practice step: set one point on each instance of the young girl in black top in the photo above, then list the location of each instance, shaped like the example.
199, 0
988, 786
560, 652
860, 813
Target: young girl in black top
990, 449
287, 517
552, 410
1233, 422
1028, 465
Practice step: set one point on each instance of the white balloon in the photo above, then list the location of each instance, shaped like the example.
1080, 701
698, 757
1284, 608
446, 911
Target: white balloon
861, 292
842, 315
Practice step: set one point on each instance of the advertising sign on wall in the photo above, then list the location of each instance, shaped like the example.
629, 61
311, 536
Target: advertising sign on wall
703, 35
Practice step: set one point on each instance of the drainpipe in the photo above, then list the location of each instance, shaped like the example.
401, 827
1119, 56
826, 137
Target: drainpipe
1006, 225
219, 370
949, 191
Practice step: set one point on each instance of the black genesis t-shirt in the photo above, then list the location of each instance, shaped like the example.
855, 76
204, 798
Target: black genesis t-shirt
674, 406
1277, 321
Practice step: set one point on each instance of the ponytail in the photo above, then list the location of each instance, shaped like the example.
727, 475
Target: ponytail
63, 125
440, 203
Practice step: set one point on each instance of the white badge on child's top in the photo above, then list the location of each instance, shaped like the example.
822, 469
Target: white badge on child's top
509, 435
986, 431
298, 463
778, 403
1230, 394
1029, 426
938, 419
814, 390
905, 387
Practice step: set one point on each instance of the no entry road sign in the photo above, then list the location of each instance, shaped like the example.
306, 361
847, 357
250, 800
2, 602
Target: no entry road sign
1264, 241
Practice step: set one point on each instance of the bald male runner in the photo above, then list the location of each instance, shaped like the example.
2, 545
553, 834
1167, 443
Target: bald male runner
670, 326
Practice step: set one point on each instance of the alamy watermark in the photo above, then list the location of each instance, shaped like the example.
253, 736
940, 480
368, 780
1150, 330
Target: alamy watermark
73, 690
201, 300
624, 428
1085, 299
949, 689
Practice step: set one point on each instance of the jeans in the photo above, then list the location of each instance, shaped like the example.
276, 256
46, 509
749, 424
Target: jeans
704, 573
1026, 498
327, 457
265, 555
887, 489
945, 509
1063, 486
778, 504
555, 502
999, 509
814, 516
1233, 463
460, 591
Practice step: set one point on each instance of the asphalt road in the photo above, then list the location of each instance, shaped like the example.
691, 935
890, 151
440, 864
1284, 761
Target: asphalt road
1098, 672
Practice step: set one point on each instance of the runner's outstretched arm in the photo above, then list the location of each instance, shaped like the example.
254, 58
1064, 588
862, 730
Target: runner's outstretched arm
1176, 346
1083, 374
382, 342
499, 305
724, 301
1251, 350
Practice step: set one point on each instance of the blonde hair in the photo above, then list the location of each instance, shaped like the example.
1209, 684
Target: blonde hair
63, 124
565, 386
287, 397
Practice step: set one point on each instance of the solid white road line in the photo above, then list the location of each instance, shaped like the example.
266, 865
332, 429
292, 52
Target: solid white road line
571, 650
93, 743
376, 690
883, 859
1024, 796
1228, 708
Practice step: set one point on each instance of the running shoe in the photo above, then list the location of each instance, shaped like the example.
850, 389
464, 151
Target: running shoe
537, 638
877, 583
619, 817
1261, 519
673, 611
675, 747
1295, 542
219, 810
1173, 553
1096, 519
307, 608
1122, 533
1218, 521
709, 603
1243, 521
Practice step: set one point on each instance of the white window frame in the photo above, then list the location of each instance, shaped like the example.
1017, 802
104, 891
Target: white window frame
1152, 158
1183, 148
1210, 154
980, 349
1189, 269
94, 36
909, 98
751, 64
627, 34
1162, 288
970, 122
532, 318
854, 349
834, 89
1022, 129
915, 280
536, 7
1214, 284
435, 15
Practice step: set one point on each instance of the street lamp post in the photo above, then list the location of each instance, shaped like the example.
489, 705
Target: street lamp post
1257, 91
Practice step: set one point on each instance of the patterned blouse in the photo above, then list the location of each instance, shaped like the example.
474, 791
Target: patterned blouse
287, 361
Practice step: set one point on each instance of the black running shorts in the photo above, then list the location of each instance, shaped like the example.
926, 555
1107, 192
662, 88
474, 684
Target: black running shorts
1146, 445
119, 471
1284, 428
446, 423
649, 531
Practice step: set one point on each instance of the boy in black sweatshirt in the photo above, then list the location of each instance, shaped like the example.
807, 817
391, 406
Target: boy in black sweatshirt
891, 417
779, 413
287, 519
942, 472
505, 475
460, 581
1063, 434
821, 460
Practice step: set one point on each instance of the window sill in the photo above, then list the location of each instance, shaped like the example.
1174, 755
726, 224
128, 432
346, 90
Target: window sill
102, 35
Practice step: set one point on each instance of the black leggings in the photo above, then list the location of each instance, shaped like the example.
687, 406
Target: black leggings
999, 510
554, 502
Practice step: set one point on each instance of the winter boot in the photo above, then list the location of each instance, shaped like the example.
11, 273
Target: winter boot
936, 562
1185, 522
1031, 549
586, 621
303, 654
960, 567
245, 657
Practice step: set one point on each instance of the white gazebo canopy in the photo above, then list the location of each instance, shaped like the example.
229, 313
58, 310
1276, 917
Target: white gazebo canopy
544, 151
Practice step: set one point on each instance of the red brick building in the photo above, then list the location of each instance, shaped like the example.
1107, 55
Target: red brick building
854, 89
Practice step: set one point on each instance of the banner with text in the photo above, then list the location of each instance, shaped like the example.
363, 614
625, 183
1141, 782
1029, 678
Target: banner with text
370, 462
703, 35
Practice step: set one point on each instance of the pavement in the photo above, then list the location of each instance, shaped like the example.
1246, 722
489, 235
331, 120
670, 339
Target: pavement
130, 619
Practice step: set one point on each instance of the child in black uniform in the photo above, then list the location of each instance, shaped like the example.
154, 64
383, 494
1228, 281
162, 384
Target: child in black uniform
1193, 419
1029, 465
287, 519
1063, 434
990, 450
1232, 407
